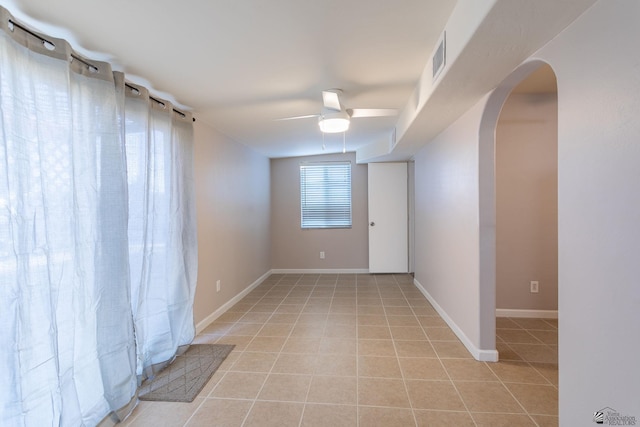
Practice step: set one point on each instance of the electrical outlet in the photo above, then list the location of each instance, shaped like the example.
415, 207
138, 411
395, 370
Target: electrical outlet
217, 285
321, 254
534, 286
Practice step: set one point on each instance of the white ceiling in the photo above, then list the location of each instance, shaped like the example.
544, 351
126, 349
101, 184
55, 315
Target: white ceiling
241, 64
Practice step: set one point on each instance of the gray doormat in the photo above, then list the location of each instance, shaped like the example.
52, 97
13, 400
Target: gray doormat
183, 379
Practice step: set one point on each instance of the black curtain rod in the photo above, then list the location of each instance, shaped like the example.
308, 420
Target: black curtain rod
53, 45
28, 31
158, 101
77, 58
82, 61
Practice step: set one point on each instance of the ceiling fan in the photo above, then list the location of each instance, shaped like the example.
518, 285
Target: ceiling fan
335, 118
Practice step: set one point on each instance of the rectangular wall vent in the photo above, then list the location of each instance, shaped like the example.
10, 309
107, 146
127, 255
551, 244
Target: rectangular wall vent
393, 140
439, 57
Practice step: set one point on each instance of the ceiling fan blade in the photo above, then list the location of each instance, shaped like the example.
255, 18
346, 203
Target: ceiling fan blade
331, 100
372, 112
297, 117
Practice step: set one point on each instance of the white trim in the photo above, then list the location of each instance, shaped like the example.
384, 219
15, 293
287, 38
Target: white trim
478, 354
202, 325
539, 314
321, 271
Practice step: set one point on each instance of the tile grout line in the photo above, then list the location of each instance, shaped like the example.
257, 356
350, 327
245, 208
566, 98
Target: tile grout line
517, 400
529, 363
255, 399
306, 399
225, 374
447, 373
264, 323
395, 349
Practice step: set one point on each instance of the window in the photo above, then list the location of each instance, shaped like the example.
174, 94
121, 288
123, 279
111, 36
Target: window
325, 195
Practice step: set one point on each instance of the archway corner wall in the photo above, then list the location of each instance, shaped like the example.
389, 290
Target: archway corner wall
455, 220
597, 66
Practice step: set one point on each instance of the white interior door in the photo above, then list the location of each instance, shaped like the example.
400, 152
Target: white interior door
388, 245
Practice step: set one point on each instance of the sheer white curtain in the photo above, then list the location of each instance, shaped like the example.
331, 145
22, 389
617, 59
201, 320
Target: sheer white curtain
75, 331
162, 227
67, 352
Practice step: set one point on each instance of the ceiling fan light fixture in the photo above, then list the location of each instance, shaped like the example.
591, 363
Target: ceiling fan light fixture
334, 123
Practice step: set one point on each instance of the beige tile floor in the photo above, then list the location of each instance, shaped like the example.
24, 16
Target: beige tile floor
363, 350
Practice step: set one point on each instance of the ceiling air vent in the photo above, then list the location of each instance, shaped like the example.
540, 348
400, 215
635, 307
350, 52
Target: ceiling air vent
393, 140
439, 57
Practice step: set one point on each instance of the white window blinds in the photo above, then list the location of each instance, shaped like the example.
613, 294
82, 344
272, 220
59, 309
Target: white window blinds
325, 195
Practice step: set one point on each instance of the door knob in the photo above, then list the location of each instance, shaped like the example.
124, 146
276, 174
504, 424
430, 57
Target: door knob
372, 223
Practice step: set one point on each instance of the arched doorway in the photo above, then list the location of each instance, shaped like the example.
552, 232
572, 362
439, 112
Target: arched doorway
493, 273
526, 170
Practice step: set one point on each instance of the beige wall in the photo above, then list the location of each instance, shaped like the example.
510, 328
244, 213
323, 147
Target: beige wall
295, 249
233, 208
446, 226
527, 202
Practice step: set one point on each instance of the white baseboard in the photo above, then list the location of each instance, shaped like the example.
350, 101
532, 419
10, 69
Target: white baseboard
202, 325
540, 314
321, 271
478, 354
